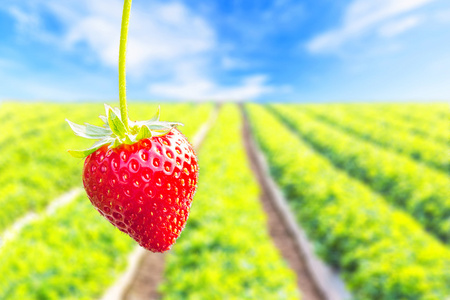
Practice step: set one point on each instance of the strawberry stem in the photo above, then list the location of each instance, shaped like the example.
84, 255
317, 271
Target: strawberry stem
122, 65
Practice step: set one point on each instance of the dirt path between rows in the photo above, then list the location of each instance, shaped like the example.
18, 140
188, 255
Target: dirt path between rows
277, 228
147, 278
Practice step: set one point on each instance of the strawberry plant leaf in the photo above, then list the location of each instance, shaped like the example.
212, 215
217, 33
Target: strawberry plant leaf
116, 143
144, 132
104, 119
79, 130
116, 124
158, 125
89, 131
115, 132
130, 139
86, 152
156, 116
117, 111
97, 131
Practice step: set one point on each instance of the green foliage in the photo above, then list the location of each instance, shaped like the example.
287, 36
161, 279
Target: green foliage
428, 114
74, 254
421, 149
427, 121
225, 251
33, 157
418, 189
381, 252
35, 166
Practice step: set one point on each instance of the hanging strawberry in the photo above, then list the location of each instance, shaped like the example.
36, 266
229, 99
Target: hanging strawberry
141, 176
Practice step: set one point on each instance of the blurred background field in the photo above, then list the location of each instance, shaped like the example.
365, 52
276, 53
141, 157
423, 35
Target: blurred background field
365, 203
348, 102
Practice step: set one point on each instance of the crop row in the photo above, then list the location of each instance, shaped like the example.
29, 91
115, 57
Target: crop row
429, 130
430, 152
225, 252
430, 125
36, 170
433, 114
74, 253
418, 189
31, 168
12, 112
29, 119
438, 132
381, 252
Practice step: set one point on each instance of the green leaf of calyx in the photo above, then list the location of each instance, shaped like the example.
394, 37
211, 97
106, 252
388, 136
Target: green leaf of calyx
89, 131
85, 152
115, 133
130, 139
104, 119
97, 131
144, 133
158, 125
156, 116
115, 122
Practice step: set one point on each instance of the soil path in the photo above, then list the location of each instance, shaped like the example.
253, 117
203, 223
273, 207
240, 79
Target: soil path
277, 228
147, 278
14, 230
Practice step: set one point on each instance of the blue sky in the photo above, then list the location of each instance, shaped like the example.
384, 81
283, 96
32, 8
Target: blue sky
285, 50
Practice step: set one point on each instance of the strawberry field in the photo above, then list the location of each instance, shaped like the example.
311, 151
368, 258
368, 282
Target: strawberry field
369, 184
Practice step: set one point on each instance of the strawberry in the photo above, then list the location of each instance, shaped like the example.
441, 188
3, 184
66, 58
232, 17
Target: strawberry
141, 176
143, 181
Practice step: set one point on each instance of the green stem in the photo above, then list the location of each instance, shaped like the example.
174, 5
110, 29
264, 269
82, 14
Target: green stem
122, 65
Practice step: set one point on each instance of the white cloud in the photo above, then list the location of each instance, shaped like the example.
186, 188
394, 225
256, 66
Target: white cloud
25, 22
201, 88
192, 81
6, 64
442, 16
159, 32
19, 82
284, 13
167, 42
231, 63
397, 27
29, 24
361, 17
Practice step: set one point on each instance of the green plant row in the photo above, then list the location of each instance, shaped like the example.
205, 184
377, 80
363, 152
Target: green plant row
38, 132
433, 114
387, 115
73, 254
29, 131
11, 112
35, 171
225, 251
28, 119
425, 150
416, 188
381, 252
439, 133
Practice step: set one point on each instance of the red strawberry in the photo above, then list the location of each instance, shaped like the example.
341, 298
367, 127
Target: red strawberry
145, 186
141, 176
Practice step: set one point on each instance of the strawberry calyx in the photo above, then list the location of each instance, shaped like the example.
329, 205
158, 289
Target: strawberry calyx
114, 131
